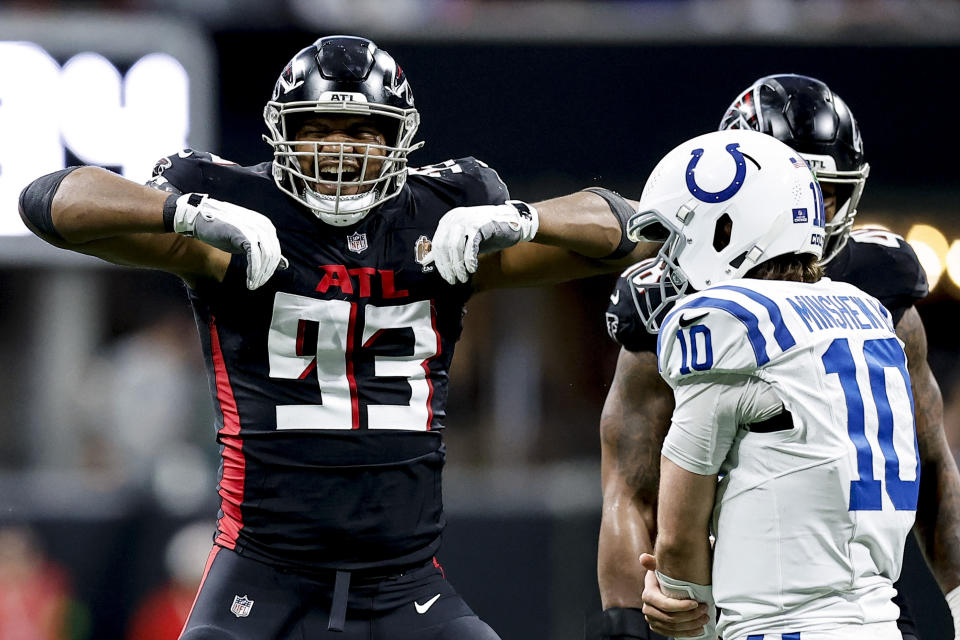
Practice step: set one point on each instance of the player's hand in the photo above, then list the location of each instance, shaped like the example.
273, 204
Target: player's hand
466, 232
233, 229
668, 616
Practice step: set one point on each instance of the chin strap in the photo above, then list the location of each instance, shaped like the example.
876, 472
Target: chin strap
340, 211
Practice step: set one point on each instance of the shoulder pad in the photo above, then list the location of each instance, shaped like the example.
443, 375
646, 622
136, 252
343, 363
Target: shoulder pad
182, 172
477, 182
624, 315
727, 328
883, 265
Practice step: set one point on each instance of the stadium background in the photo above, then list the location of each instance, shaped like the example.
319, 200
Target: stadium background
106, 452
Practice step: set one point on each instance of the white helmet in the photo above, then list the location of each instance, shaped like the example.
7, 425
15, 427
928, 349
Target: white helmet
724, 202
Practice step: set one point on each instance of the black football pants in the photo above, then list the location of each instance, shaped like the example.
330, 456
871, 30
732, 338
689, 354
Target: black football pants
242, 599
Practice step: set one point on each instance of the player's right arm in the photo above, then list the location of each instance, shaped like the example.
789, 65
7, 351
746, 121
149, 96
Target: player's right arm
99, 213
937, 526
634, 422
96, 212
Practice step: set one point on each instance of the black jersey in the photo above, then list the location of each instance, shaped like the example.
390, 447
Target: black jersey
330, 381
882, 264
878, 262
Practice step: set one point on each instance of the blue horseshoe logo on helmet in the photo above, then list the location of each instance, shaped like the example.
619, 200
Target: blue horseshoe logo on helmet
723, 194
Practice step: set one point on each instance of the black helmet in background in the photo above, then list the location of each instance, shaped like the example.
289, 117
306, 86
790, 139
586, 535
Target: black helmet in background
805, 114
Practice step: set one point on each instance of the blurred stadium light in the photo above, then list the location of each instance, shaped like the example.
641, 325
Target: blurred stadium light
953, 262
931, 247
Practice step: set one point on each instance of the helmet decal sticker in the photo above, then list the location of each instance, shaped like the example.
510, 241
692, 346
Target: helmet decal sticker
290, 79
730, 190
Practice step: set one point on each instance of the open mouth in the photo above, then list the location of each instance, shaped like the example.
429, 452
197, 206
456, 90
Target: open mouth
333, 173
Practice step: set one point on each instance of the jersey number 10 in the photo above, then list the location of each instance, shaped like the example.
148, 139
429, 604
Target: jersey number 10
879, 355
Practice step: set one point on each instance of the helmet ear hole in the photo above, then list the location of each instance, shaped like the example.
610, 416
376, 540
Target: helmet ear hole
722, 232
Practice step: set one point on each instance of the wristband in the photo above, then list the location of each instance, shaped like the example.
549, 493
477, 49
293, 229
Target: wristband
953, 601
622, 211
617, 623
691, 591
169, 211
186, 208
529, 219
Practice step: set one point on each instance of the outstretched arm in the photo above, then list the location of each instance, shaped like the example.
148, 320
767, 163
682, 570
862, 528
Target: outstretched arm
937, 526
520, 245
96, 212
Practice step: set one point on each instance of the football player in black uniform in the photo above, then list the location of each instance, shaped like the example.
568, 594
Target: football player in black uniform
329, 288
805, 114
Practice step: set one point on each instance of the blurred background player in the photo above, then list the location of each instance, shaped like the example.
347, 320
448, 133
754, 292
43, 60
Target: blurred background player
36, 594
328, 288
804, 113
161, 613
777, 376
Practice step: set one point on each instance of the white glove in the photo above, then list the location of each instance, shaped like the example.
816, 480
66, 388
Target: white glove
234, 229
953, 601
466, 232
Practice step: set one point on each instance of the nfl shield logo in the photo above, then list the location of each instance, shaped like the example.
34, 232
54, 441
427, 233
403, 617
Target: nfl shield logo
241, 606
357, 242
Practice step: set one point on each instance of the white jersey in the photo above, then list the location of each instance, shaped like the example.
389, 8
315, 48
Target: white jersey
798, 396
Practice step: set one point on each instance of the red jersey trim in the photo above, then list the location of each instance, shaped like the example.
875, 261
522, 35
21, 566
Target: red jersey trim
206, 570
426, 365
234, 464
351, 378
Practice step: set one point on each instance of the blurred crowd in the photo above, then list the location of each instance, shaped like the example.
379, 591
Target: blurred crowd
496, 19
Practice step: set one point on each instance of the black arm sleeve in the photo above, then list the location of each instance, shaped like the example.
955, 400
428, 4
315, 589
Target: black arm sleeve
622, 210
36, 201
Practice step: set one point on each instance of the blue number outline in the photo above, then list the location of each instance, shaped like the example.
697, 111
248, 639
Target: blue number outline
694, 355
879, 355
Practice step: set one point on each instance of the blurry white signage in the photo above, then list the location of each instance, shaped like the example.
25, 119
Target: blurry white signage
121, 106
85, 106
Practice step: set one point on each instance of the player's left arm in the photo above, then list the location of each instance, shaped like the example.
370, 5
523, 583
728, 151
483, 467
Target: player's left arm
578, 236
937, 526
518, 245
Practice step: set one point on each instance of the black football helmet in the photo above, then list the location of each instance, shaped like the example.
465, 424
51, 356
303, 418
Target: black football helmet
341, 75
805, 114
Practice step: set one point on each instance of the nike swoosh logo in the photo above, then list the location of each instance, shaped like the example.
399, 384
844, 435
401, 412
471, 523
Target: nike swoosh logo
686, 322
423, 608
615, 297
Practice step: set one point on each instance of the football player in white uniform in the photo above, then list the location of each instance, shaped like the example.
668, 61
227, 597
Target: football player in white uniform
813, 120
792, 389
